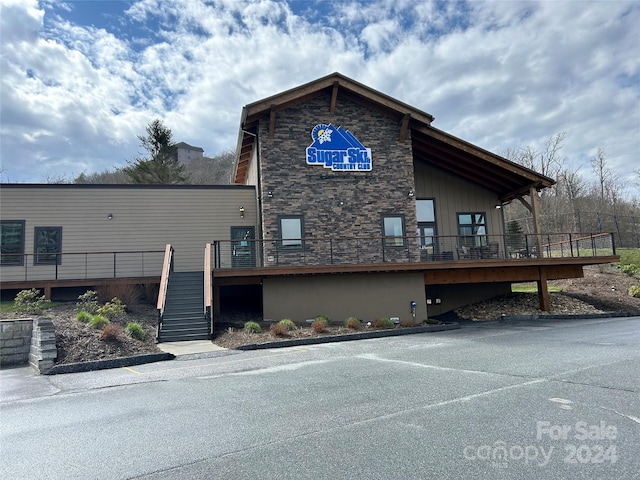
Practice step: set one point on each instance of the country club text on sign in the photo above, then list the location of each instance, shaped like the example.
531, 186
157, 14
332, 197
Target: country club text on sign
337, 149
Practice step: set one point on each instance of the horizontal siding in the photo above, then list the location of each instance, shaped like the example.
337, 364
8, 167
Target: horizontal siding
143, 219
455, 195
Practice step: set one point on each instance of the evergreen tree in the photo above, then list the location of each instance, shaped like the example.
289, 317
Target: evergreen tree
162, 166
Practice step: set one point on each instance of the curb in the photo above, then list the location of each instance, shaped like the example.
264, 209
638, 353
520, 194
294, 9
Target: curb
351, 336
560, 316
109, 363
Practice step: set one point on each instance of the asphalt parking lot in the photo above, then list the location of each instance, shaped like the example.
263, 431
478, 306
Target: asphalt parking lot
528, 399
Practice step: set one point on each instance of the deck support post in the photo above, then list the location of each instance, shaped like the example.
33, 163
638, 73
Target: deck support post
216, 300
543, 291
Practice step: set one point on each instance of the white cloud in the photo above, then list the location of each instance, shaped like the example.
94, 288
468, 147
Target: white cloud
498, 74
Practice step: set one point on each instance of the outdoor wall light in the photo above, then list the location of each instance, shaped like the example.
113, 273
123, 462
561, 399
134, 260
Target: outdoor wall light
241, 210
498, 207
110, 216
411, 194
270, 194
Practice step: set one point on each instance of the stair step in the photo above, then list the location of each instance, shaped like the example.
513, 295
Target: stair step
184, 338
186, 329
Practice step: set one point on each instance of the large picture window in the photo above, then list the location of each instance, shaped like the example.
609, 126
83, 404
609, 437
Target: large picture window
47, 245
472, 228
12, 242
291, 230
393, 230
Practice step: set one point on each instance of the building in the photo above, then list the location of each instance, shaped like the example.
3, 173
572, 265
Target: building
347, 203
185, 153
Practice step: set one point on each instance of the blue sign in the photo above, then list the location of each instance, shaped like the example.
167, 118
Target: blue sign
338, 150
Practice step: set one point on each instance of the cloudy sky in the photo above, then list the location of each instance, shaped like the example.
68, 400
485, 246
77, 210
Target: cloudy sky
80, 79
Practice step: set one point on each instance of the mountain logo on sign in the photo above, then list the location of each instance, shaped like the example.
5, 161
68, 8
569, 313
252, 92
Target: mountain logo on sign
337, 149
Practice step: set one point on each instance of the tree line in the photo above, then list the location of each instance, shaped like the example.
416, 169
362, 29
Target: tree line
576, 203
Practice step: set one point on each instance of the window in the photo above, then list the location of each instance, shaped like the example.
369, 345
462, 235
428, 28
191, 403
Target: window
291, 230
47, 244
425, 213
12, 242
472, 228
393, 230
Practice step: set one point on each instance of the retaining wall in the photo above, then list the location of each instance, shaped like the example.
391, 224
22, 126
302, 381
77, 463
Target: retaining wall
28, 341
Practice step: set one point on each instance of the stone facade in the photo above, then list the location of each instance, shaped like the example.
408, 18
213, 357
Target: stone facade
336, 205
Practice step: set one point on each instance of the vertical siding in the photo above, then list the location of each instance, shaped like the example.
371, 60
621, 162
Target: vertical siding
143, 219
452, 195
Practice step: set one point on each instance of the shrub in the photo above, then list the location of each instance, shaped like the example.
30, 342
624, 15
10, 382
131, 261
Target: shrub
149, 292
325, 318
288, 324
634, 291
129, 294
113, 309
407, 322
111, 332
319, 325
430, 321
83, 317
629, 269
135, 330
252, 327
88, 302
29, 301
278, 330
353, 323
98, 321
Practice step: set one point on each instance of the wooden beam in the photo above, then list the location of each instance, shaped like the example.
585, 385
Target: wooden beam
543, 291
272, 121
524, 202
334, 97
404, 127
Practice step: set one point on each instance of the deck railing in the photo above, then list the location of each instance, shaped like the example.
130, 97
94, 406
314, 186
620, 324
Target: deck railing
439, 248
80, 265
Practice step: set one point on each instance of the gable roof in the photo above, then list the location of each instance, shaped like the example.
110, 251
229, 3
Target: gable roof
436, 147
186, 146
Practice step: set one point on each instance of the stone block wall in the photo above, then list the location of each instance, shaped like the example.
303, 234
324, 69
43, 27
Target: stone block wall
334, 203
28, 341
43, 351
15, 341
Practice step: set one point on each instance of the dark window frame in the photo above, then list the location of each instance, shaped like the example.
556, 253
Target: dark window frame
19, 255
427, 224
474, 238
44, 258
282, 241
391, 241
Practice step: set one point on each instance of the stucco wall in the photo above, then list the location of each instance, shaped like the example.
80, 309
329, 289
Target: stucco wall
365, 296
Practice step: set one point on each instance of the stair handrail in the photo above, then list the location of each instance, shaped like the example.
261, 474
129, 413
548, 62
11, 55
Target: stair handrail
208, 310
167, 268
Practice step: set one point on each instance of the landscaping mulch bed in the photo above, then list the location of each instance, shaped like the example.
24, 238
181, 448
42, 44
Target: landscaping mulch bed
603, 289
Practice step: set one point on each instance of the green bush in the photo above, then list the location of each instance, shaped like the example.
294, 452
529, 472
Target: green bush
353, 323
430, 321
88, 302
288, 324
252, 327
99, 322
113, 309
629, 269
135, 330
83, 317
634, 291
29, 301
324, 318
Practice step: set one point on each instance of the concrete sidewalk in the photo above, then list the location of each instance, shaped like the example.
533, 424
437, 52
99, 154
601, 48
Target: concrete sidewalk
189, 347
